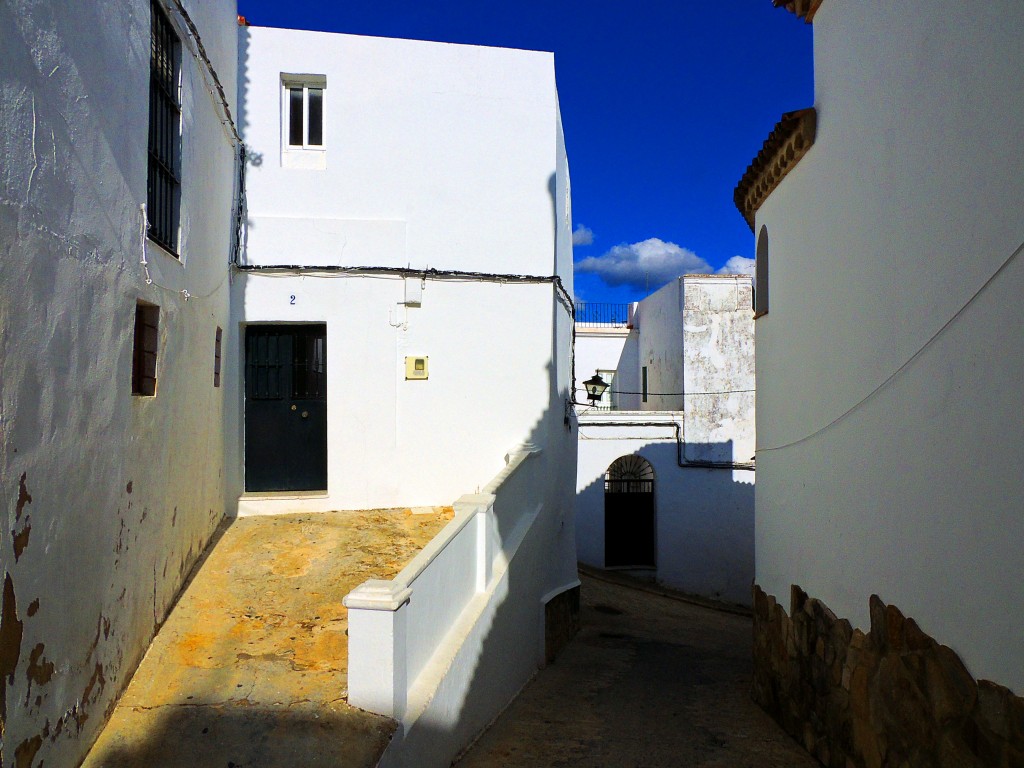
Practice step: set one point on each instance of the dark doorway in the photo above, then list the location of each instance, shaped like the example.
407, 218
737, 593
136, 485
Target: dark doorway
629, 513
286, 408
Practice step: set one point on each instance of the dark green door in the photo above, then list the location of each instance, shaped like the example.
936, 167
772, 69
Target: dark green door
286, 408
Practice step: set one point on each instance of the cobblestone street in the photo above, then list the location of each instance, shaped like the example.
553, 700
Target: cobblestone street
649, 681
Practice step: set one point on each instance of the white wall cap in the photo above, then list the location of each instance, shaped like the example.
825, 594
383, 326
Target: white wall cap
378, 595
473, 502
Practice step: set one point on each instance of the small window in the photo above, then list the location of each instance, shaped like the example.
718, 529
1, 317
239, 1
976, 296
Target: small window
163, 193
147, 336
304, 111
643, 383
216, 357
608, 401
761, 274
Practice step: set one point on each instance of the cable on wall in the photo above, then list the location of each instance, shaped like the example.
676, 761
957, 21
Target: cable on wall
426, 274
681, 459
201, 54
889, 379
454, 275
673, 394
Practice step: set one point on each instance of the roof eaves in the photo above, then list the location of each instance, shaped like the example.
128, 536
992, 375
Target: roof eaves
805, 9
782, 150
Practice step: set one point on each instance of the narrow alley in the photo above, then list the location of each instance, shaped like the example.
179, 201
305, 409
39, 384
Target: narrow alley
649, 681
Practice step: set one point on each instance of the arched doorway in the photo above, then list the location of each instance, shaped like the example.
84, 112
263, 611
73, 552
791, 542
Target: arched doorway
629, 513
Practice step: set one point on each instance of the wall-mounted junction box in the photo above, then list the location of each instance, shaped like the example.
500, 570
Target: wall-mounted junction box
416, 368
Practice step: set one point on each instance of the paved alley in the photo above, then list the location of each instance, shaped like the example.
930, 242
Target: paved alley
649, 681
250, 668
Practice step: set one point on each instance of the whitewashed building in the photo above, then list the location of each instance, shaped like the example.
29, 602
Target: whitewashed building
665, 482
890, 418
407, 238
367, 306
110, 493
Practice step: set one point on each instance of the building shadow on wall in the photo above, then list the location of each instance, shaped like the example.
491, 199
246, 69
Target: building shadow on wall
703, 528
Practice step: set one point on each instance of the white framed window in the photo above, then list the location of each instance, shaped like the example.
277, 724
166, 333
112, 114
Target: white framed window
303, 113
609, 400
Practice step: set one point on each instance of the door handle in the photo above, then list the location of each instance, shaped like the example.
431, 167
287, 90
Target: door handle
305, 414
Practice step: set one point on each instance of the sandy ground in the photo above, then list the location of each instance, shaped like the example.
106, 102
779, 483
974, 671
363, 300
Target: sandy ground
250, 668
649, 681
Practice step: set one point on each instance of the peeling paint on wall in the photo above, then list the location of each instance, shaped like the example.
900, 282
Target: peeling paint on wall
24, 497
20, 538
10, 648
26, 752
40, 671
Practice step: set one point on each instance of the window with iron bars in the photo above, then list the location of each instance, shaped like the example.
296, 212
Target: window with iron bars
164, 182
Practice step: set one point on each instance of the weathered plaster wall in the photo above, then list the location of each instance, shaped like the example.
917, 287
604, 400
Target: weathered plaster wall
108, 498
718, 368
434, 153
875, 478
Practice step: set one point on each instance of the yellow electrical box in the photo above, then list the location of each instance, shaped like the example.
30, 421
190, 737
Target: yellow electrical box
416, 368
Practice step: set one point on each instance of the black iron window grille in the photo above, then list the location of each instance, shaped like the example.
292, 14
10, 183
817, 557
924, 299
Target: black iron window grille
629, 486
286, 362
164, 184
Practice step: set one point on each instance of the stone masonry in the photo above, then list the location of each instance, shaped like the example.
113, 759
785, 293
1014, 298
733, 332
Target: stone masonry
890, 697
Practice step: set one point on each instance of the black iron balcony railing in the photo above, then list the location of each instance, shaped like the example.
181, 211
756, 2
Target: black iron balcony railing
598, 313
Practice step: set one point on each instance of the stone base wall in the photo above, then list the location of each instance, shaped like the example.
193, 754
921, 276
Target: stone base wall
561, 622
890, 697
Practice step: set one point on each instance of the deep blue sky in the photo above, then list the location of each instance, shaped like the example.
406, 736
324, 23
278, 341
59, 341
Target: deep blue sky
664, 103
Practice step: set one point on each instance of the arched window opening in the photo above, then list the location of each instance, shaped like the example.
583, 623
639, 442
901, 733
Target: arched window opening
761, 274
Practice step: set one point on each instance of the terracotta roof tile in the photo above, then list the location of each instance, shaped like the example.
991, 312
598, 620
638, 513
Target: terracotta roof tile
805, 9
781, 151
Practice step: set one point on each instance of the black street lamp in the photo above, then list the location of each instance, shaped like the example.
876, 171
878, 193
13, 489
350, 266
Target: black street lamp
596, 387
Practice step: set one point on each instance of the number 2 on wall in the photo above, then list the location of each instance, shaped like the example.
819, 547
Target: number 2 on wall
291, 299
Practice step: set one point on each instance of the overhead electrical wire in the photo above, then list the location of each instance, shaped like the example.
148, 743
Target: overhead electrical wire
889, 379
675, 394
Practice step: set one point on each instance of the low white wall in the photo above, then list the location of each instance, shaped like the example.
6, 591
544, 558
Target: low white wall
704, 518
449, 641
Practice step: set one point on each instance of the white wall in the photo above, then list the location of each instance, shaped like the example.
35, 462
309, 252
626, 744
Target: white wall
659, 318
903, 210
602, 349
125, 491
696, 336
437, 155
440, 156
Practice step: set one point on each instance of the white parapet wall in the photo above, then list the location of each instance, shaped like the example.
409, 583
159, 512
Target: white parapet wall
446, 644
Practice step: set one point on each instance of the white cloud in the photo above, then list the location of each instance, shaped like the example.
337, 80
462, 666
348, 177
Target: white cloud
648, 264
582, 235
738, 265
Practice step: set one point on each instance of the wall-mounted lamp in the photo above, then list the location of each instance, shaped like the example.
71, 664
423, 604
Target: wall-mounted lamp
596, 387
